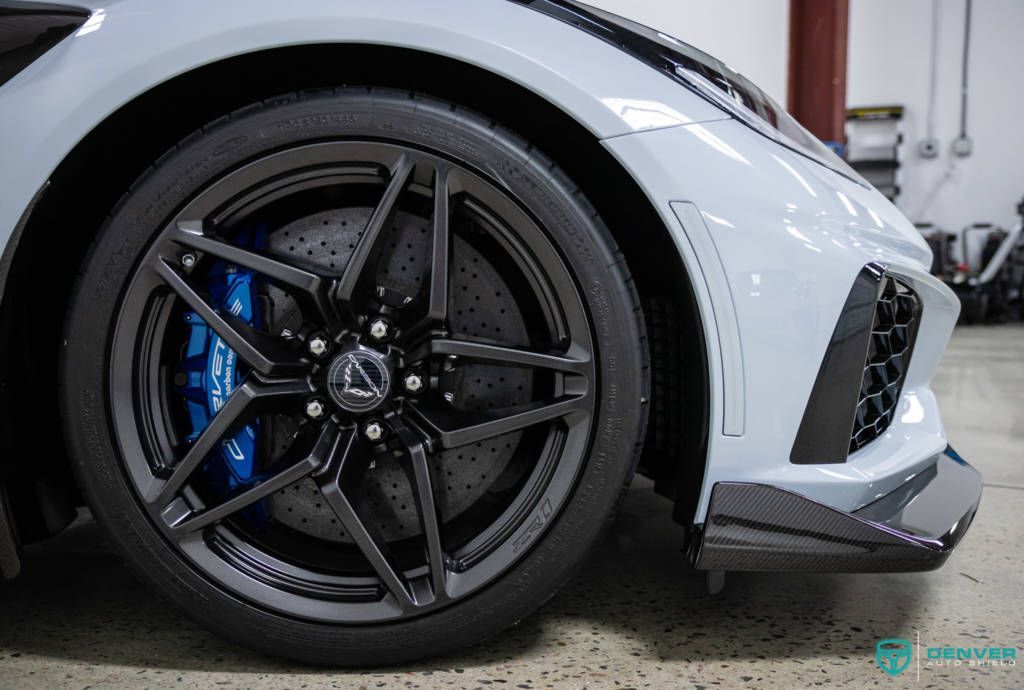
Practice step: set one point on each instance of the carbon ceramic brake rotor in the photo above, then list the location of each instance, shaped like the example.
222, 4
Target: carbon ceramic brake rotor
481, 305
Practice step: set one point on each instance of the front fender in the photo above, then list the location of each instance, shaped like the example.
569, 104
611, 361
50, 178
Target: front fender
774, 242
129, 46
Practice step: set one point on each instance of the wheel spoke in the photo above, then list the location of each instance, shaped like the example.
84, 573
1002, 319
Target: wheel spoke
310, 287
330, 486
436, 288
453, 429
437, 309
320, 452
242, 403
509, 356
264, 354
426, 504
382, 215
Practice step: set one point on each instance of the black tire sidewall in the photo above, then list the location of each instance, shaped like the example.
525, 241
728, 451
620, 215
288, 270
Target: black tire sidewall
440, 128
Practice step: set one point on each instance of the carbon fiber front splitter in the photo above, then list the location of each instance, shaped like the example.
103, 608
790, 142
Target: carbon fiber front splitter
915, 527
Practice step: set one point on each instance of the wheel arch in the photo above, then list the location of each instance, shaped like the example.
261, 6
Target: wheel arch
76, 200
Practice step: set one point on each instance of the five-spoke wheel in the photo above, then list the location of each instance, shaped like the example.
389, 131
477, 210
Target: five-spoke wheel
359, 376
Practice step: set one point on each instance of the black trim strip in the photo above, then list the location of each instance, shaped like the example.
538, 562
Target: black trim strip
915, 527
824, 434
628, 36
681, 62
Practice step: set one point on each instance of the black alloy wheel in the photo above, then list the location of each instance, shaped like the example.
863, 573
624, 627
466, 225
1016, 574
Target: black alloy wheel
354, 377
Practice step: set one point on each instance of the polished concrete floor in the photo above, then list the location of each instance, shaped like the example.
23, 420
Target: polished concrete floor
636, 617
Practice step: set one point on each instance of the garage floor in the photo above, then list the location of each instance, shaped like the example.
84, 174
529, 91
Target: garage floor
637, 617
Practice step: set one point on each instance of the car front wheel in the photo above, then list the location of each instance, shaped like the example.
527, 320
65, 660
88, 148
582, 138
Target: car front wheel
354, 377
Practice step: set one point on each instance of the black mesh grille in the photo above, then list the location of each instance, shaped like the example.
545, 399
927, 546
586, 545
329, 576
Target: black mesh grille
897, 314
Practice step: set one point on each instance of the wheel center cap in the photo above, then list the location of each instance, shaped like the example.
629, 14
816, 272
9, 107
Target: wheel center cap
358, 380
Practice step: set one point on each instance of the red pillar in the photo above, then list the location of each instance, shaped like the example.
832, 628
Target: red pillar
817, 65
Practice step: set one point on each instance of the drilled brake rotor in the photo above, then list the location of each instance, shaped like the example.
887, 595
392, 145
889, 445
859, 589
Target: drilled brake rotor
481, 305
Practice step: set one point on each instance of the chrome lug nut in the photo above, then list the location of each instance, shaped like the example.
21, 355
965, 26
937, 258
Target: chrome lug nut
317, 346
413, 383
380, 330
373, 431
188, 260
314, 409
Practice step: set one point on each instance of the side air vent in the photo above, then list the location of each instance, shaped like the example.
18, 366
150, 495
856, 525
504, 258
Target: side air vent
897, 313
859, 383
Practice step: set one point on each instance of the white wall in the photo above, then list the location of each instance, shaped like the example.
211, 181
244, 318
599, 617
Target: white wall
889, 45
751, 36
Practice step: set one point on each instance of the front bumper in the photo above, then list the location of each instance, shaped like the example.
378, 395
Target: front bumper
915, 527
772, 244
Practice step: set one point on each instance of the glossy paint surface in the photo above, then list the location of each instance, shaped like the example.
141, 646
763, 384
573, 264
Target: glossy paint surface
784, 237
792, 237
126, 47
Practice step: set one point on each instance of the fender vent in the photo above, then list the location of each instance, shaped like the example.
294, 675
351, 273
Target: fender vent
897, 315
855, 395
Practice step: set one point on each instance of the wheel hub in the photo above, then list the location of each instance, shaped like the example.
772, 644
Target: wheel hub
482, 305
359, 380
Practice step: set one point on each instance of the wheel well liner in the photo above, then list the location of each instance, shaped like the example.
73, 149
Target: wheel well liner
59, 228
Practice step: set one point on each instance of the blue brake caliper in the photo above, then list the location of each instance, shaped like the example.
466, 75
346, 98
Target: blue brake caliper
212, 371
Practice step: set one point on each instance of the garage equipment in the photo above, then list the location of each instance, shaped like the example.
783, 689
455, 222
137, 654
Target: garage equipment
943, 246
874, 146
990, 277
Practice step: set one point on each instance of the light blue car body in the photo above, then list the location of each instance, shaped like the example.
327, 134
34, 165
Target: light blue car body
771, 240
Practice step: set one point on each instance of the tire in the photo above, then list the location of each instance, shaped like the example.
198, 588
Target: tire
124, 385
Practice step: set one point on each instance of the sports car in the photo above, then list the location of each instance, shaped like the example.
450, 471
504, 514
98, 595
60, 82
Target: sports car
351, 322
